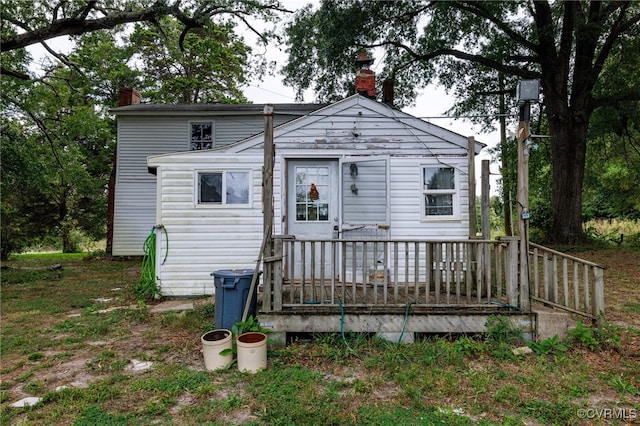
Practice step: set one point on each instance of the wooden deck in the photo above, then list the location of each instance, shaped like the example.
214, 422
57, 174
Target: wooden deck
372, 285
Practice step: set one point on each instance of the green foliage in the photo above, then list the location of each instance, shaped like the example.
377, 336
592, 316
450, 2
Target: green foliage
557, 413
623, 386
550, 346
501, 337
468, 346
209, 66
37, 356
251, 324
145, 289
94, 415
584, 336
34, 387
609, 336
106, 361
58, 138
174, 380
501, 330
21, 184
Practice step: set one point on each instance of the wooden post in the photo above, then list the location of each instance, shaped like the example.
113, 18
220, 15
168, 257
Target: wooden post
522, 197
267, 180
266, 249
267, 170
511, 269
598, 294
485, 202
472, 187
506, 180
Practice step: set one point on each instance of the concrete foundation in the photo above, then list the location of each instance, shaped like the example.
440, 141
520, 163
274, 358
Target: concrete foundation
553, 323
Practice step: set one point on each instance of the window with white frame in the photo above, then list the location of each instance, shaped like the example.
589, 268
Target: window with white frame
201, 135
223, 188
439, 192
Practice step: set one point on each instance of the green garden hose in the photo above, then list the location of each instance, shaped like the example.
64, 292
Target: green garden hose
404, 323
344, 339
147, 287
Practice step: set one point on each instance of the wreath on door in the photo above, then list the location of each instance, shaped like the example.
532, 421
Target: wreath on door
313, 192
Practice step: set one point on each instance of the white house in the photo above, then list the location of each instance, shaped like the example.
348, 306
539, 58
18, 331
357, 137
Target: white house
353, 168
147, 129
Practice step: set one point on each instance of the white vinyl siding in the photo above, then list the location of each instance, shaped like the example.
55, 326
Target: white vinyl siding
133, 219
407, 220
202, 241
364, 192
143, 136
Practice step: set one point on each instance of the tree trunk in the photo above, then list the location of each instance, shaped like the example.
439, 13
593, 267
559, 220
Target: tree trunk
65, 224
568, 163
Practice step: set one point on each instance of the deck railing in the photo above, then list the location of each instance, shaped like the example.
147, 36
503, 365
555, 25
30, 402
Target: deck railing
566, 282
387, 273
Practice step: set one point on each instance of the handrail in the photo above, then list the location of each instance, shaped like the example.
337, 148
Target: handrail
382, 272
567, 282
568, 256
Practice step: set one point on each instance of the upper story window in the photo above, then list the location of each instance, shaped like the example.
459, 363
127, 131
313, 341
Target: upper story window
439, 192
201, 135
223, 188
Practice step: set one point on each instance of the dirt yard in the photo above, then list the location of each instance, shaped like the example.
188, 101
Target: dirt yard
79, 353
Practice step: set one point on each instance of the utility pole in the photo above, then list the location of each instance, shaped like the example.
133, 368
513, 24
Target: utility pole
527, 92
522, 198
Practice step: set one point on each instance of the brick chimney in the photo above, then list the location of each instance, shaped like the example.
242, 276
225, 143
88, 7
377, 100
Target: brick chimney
128, 96
365, 77
387, 92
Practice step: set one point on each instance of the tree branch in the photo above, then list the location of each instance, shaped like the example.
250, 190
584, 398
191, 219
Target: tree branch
612, 100
83, 12
14, 74
77, 26
62, 58
477, 59
477, 8
618, 28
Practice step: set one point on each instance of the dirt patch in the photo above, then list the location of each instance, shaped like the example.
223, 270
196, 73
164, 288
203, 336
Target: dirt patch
621, 283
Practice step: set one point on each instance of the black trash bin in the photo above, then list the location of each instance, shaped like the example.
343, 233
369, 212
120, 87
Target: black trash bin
232, 292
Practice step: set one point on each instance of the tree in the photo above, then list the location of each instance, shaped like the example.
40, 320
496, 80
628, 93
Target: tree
463, 45
210, 66
27, 22
21, 182
62, 117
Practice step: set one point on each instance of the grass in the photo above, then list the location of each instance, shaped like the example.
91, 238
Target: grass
56, 331
615, 231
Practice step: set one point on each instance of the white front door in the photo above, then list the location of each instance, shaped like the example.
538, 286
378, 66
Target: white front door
313, 198
313, 207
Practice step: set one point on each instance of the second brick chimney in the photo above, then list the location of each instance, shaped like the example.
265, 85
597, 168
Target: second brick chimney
128, 96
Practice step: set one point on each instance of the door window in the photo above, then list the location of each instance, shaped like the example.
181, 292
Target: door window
312, 194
